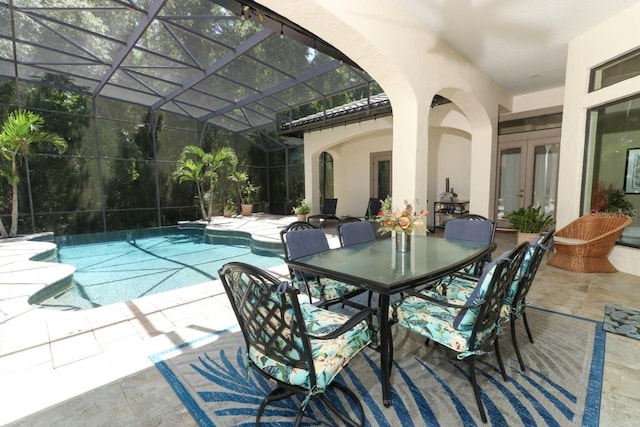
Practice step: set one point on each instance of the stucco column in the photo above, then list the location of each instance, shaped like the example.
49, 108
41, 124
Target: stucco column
312, 178
410, 154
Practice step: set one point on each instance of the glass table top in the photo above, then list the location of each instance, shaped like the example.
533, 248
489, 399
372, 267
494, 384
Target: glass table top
378, 266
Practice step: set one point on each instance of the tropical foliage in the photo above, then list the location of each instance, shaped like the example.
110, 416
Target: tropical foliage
20, 131
606, 198
204, 168
302, 208
530, 220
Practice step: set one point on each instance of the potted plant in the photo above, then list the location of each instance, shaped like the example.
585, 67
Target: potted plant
248, 190
229, 208
529, 222
302, 210
606, 198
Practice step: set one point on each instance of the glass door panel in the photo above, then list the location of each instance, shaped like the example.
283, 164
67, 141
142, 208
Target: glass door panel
511, 180
528, 174
545, 176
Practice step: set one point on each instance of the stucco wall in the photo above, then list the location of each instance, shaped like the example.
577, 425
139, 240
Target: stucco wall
379, 41
350, 147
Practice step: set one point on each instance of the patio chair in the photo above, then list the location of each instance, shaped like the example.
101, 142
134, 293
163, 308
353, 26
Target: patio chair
584, 244
514, 306
328, 212
300, 239
352, 233
468, 329
347, 219
296, 346
472, 227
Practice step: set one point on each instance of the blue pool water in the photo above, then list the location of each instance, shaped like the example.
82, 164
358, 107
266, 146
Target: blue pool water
143, 264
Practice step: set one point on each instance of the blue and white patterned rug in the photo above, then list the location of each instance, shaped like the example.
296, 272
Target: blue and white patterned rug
561, 386
622, 321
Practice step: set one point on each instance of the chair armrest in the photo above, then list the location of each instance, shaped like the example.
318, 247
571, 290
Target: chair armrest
348, 325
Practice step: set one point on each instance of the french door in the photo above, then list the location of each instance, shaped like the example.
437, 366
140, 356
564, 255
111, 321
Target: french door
528, 172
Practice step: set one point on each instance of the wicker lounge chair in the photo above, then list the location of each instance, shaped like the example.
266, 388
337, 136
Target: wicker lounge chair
584, 244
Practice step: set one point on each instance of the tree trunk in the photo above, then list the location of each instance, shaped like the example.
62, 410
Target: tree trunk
210, 211
3, 230
203, 212
14, 200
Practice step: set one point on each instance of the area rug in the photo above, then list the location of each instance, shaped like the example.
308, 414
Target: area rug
561, 386
622, 321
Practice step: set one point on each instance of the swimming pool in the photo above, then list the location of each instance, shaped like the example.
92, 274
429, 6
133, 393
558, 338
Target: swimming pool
121, 266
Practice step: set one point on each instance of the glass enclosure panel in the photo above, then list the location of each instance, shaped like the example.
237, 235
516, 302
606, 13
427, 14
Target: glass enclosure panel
545, 177
61, 223
509, 193
131, 219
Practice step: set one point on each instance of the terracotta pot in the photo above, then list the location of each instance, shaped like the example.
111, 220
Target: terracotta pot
526, 237
247, 209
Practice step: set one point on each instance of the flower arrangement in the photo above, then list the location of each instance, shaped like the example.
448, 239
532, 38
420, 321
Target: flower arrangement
404, 221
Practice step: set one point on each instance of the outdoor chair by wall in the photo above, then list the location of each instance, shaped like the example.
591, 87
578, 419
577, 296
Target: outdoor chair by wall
584, 244
297, 346
373, 208
301, 239
328, 212
469, 329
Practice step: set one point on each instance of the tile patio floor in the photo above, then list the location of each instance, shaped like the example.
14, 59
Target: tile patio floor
92, 367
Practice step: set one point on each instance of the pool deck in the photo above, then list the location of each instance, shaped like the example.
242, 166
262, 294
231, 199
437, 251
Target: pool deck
49, 356
92, 367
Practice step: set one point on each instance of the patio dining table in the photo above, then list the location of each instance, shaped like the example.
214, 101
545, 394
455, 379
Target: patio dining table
378, 267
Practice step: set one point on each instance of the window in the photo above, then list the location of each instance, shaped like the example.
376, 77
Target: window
326, 177
529, 124
617, 70
611, 154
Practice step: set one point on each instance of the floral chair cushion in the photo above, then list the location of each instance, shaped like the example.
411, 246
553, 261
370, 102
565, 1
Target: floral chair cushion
329, 355
466, 316
434, 322
462, 289
325, 289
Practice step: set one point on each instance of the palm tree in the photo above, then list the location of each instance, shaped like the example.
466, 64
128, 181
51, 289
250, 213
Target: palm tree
20, 131
203, 168
189, 170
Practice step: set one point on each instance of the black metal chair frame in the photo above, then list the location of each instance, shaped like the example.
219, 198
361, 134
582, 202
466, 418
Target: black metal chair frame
488, 313
342, 243
328, 212
518, 304
478, 266
373, 207
303, 225
259, 299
